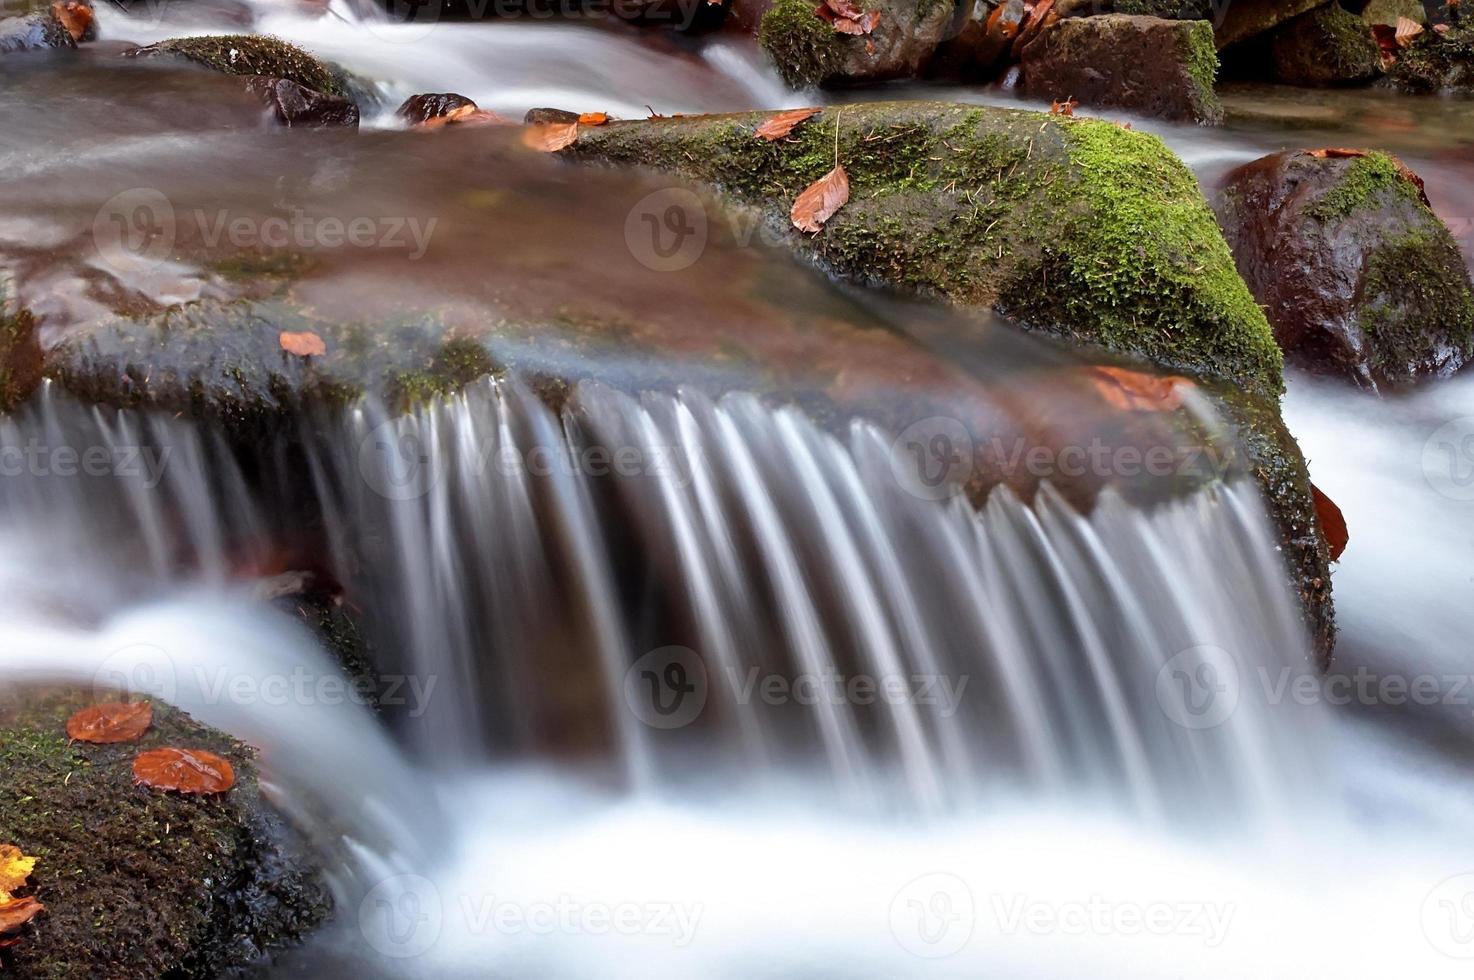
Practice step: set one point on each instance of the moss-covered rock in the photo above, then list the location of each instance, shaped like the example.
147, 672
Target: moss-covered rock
20, 353
1147, 65
251, 54
1437, 62
138, 883
1359, 276
1327, 46
809, 51
1233, 22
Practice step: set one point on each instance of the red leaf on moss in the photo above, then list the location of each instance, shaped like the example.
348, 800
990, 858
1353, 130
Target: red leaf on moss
779, 125
183, 770
820, 200
16, 912
106, 724
1332, 522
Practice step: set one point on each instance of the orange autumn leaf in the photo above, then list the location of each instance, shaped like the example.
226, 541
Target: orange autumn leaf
183, 770
1332, 522
1065, 108
466, 115
106, 724
593, 119
777, 126
847, 18
304, 344
16, 912
550, 137
15, 869
1406, 30
820, 200
1135, 391
75, 17
1336, 152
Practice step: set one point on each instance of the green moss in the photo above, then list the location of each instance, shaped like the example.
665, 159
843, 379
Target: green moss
1169, 9
1438, 61
806, 50
20, 353
251, 54
1365, 178
456, 364
1327, 46
1416, 302
139, 883
1202, 61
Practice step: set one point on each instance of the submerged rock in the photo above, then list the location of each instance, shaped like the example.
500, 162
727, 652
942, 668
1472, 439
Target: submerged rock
1358, 275
809, 51
250, 54
34, 32
20, 354
432, 105
1327, 46
148, 883
294, 106
1156, 67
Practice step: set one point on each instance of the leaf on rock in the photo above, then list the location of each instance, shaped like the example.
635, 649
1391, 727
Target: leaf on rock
593, 118
1336, 152
304, 344
183, 770
550, 137
75, 17
16, 912
106, 724
1136, 391
1406, 30
15, 869
847, 18
777, 126
466, 115
1332, 522
1065, 108
820, 200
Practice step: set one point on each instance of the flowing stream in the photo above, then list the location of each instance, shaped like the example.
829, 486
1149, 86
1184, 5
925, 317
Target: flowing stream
624, 739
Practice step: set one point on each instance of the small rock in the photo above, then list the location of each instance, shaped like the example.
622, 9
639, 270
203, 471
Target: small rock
809, 51
422, 108
537, 117
1328, 46
298, 107
34, 32
1358, 276
1156, 67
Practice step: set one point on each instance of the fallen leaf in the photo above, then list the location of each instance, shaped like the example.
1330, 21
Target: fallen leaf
466, 115
820, 200
75, 17
15, 869
16, 912
1122, 125
304, 344
1386, 37
593, 119
1136, 391
1065, 108
106, 724
550, 137
1441, 28
777, 126
847, 18
183, 770
1332, 522
1406, 30
1336, 152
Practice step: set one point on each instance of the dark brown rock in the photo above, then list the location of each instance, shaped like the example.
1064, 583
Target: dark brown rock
539, 116
809, 51
295, 106
1155, 67
1357, 274
431, 105
1327, 46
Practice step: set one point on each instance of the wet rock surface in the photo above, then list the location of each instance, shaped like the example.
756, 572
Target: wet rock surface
809, 51
139, 883
292, 105
1155, 67
38, 31
432, 105
1357, 274
1327, 46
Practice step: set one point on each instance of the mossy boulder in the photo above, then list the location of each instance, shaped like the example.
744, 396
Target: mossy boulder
1148, 65
1358, 275
1437, 61
251, 54
1327, 46
20, 353
139, 883
38, 31
807, 50
1233, 22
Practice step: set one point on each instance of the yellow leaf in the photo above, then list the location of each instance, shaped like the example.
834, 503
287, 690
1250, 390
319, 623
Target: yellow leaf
15, 869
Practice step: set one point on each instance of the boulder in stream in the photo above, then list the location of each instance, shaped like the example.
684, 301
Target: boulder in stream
149, 883
295, 106
1148, 65
432, 105
251, 54
809, 50
1358, 275
1327, 46
37, 31
1437, 61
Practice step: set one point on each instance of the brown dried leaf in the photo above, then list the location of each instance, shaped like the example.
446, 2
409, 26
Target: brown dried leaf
550, 137
779, 125
466, 115
184, 771
593, 119
107, 724
75, 17
16, 912
820, 200
1336, 152
1135, 391
304, 344
1406, 30
1065, 108
1332, 522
